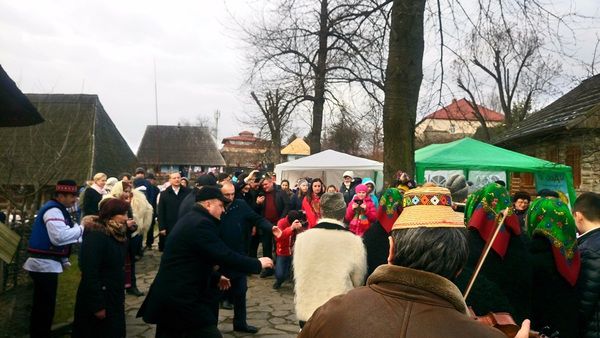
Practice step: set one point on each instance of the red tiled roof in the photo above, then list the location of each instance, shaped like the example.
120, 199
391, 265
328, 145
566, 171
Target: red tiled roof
461, 110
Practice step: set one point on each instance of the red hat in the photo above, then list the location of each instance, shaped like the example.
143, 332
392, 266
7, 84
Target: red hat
66, 187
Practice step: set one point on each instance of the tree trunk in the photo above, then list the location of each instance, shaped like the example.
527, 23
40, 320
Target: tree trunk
276, 146
404, 74
320, 76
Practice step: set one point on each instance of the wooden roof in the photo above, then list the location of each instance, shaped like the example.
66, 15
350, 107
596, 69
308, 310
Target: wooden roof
77, 140
179, 145
296, 147
15, 109
566, 112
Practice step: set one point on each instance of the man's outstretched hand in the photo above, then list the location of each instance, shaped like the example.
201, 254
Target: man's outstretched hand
266, 262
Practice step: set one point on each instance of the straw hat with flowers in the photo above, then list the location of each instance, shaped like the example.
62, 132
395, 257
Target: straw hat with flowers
428, 207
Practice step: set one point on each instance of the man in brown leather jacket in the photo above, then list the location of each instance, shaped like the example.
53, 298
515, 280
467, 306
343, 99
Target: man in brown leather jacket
411, 296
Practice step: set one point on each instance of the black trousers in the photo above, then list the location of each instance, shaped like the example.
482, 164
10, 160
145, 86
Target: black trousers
237, 296
132, 248
267, 243
45, 285
150, 234
211, 331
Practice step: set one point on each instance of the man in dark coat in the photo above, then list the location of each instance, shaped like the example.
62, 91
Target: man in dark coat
587, 217
274, 205
236, 224
189, 201
180, 299
168, 207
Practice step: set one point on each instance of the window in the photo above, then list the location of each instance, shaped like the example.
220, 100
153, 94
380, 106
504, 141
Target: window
573, 159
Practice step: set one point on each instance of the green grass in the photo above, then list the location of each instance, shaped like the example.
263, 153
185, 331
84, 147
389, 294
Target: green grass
68, 282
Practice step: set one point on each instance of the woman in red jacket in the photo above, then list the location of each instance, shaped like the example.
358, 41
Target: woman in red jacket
310, 204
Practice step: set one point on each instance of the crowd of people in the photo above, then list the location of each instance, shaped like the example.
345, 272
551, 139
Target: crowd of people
363, 261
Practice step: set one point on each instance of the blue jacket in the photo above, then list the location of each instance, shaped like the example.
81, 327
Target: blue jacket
39, 242
236, 225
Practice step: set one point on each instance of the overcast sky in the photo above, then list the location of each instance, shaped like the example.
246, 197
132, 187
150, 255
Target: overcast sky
108, 48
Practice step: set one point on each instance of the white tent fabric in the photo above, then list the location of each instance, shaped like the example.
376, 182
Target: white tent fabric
329, 165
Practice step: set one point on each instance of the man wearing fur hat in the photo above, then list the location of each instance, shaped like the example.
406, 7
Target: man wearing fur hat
49, 249
328, 261
347, 187
411, 296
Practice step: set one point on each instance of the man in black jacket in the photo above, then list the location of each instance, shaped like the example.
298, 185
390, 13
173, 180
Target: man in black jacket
180, 299
274, 205
236, 224
587, 217
189, 201
168, 207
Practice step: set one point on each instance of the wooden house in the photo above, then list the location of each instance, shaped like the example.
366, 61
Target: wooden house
189, 150
566, 131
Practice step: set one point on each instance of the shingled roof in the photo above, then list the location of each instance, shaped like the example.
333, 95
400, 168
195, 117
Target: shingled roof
77, 140
179, 145
564, 113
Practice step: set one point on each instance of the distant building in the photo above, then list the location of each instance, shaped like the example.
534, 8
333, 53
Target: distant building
189, 150
295, 150
77, 140
245, 151
566, 131
453, 122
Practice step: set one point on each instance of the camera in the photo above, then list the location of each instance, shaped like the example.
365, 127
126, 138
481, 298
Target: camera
358, 202
260, 194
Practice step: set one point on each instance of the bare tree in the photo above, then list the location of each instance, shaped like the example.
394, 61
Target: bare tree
198, 121
313, 47
275, 111
513, 60
344, 135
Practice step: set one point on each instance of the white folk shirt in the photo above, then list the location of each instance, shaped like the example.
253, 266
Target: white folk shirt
60, 234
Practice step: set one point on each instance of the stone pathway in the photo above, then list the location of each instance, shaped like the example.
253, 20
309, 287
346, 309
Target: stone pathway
270, 310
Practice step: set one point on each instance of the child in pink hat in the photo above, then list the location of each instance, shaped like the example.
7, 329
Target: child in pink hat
361, 212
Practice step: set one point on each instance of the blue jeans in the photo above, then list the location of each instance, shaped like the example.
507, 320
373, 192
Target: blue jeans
282, 268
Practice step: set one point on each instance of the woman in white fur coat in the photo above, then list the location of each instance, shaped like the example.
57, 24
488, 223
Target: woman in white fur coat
328, 260
142, 213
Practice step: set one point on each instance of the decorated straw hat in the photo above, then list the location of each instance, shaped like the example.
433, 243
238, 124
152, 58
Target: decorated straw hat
428, 207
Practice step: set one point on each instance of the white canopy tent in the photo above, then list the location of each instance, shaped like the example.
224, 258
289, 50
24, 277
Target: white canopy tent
329, 165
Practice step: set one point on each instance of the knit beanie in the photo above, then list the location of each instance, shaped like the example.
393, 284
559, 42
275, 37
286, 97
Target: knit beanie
361, 188
457, 184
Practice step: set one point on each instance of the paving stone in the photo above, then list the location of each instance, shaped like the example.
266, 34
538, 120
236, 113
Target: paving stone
280, 313
272, 311
277, 321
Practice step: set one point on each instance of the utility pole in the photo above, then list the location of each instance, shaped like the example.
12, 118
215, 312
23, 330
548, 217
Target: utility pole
215, 133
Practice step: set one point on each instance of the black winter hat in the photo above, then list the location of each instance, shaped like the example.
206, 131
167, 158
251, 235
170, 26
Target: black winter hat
210, 192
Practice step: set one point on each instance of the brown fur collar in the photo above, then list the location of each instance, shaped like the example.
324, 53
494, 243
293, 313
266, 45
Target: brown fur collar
90, 223
423, 280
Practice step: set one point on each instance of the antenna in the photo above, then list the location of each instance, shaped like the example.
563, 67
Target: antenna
155, 94
156, 122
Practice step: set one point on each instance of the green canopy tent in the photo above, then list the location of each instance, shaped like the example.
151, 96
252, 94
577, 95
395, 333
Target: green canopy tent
469, 155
